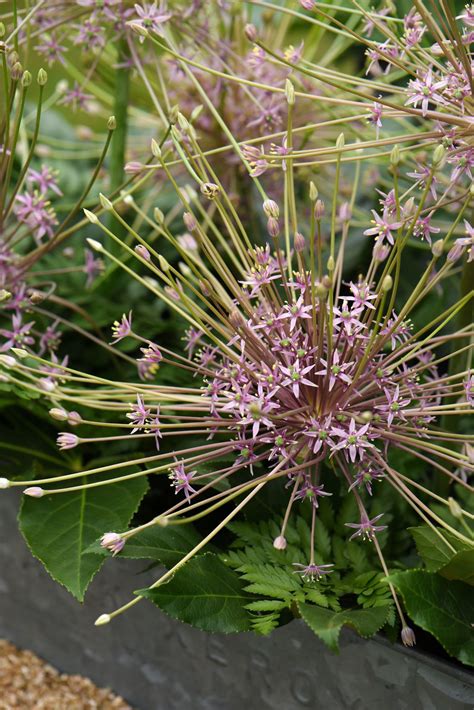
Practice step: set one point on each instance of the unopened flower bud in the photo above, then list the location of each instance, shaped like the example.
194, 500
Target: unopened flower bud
319, 209
345, 213
94, 244
454, 508
155, 149
331, 264
387, 284
250, 32
320, 290
74, 418
20, 352
273, 227
26, 79
93, 219
327, 282
367, 416
380, 251
395, 155
161, 520
158, 215
59, 414
16, 71
34, 492
408, 636
299, 242
271, 209
190, 221
133, 167
183, 123
341, 141
196, 112
409, 207
138, 29
5, 295
308, 4
4, 483
105, 202
210, 190
205, 288
313, 192
111, 123
66, 440
102, 619
7, 360
173, 115
279, 543
438, 155
437, 248
164, 265
2, 29
142, 251
289, 93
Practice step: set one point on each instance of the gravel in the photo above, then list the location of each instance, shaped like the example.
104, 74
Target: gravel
28, 683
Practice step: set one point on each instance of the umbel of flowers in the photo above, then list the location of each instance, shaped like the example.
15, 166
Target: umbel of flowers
298, 375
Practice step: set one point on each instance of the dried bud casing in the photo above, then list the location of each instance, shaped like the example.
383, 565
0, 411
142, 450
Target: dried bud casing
210, 190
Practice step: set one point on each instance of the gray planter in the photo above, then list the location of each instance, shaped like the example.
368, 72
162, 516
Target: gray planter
159, 664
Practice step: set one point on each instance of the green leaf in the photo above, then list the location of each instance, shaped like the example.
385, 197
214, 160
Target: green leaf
431, 548
442, 607
59, 528
460, 567
206, 594
164, 544
327, 624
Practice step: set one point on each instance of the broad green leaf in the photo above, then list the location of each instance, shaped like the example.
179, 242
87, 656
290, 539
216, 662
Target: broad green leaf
166, 545
431, 548
206, 594
59, 528
327, 624
460, 567
442, 607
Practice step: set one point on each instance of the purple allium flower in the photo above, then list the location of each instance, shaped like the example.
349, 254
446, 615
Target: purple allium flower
352, 441
140, 414
312, 571
425, 90
92, 267
19, 335
181, 480
122, 329
383, 227
308, 491
376, 117
424, 229
150, 16
113, 542
366, 529
44, 180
